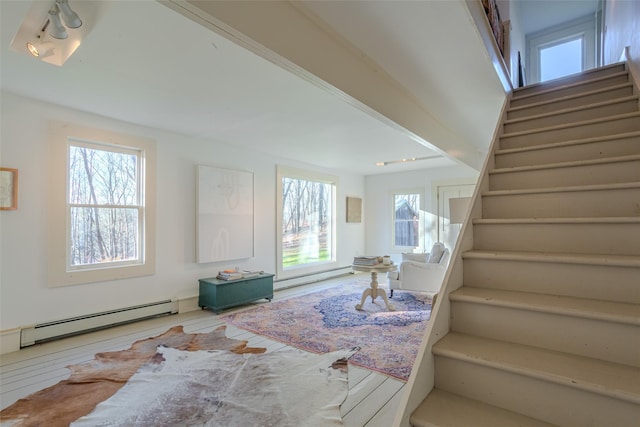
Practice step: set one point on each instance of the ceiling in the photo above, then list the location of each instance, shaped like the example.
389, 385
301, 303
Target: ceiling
537, 15
143, 63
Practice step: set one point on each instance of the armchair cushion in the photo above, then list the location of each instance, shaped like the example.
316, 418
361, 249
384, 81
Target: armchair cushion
436, 253
415, 257
421, 276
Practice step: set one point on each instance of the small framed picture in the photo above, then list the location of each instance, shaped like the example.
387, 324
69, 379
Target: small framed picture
8, 189
354, 209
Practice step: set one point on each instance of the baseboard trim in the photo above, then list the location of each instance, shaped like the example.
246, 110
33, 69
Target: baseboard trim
9, 340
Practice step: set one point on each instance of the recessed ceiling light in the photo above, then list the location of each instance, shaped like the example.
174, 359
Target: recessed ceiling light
411, 159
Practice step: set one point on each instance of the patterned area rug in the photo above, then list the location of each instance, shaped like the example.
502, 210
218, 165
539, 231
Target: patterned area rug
327, 320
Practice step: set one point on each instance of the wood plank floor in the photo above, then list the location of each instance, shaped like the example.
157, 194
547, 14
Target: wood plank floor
372, 401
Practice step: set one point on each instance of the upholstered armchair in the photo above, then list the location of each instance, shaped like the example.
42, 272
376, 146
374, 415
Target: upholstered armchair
421, 272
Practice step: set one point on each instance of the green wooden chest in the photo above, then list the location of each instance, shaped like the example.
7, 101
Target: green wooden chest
219, 294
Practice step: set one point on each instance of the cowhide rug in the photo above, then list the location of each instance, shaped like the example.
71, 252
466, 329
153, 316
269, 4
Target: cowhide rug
286, 388
96, 380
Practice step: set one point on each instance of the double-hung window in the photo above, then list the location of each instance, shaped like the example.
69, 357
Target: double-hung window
405, 211
102, 206
105, 206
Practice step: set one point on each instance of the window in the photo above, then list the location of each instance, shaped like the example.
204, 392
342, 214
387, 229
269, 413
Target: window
306, 221
105, 206
406, 220
561, 50
102, 206
561, 59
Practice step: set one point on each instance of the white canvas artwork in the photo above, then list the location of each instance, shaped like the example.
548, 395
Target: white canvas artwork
224, 214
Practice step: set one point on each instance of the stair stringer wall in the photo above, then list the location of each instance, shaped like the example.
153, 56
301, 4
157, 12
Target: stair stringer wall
422, 379
633, 71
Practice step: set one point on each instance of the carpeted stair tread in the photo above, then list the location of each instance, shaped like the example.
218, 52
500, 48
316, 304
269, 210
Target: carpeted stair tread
442, 408
565, 258
618, 312
591, 375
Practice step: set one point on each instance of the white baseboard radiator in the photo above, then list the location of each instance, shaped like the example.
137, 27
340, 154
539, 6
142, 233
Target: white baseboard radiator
305, 279
92, 322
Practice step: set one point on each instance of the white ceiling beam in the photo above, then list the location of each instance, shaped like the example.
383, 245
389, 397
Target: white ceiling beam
288, 35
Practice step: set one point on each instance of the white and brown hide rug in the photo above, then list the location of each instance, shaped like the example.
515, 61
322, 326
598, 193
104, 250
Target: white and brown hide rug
98, 379
286, 388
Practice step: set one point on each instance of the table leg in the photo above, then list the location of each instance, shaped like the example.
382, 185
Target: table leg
375, 292
365, 294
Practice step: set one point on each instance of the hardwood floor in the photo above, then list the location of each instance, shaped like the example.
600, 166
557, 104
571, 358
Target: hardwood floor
372, 401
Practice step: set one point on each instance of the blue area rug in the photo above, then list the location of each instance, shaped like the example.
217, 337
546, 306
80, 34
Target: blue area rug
325, 321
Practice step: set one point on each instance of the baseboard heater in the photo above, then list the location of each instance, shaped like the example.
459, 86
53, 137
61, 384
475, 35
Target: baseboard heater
306, 279
92, 322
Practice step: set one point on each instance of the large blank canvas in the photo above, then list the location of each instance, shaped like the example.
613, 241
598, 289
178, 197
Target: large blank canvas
224, 214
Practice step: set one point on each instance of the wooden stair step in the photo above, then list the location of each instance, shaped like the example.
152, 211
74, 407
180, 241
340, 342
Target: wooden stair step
552, 322
550, 257
614, 200
609, 170
567, 164
604, 277
549, 91
608, 311
621, 123
605, 146
582, 112
442, 408
600, 235
592, 375
574, 100
573, 79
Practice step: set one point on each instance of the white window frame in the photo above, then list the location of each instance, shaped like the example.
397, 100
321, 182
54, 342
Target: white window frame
421, 237
291, 272
139, 206
60, 272
583, 28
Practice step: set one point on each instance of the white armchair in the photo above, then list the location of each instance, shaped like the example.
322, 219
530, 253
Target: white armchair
421, 272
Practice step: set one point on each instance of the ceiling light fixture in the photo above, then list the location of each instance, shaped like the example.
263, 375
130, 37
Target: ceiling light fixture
44, 32
411, 159
56, 29
40, 48
70, 18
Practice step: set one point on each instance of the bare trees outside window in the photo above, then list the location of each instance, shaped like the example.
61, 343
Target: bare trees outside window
306, 221
105, 206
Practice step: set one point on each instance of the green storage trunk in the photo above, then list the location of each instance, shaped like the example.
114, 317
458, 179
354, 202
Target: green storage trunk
219, 294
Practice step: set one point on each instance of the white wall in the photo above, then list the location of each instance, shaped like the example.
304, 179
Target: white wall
25, 297
517, 43
377, 201
622, 23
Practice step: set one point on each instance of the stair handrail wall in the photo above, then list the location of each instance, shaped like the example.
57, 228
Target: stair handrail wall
479, 17
422, 378
635, 78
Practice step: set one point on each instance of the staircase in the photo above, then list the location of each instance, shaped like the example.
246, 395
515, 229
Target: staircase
545, 329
